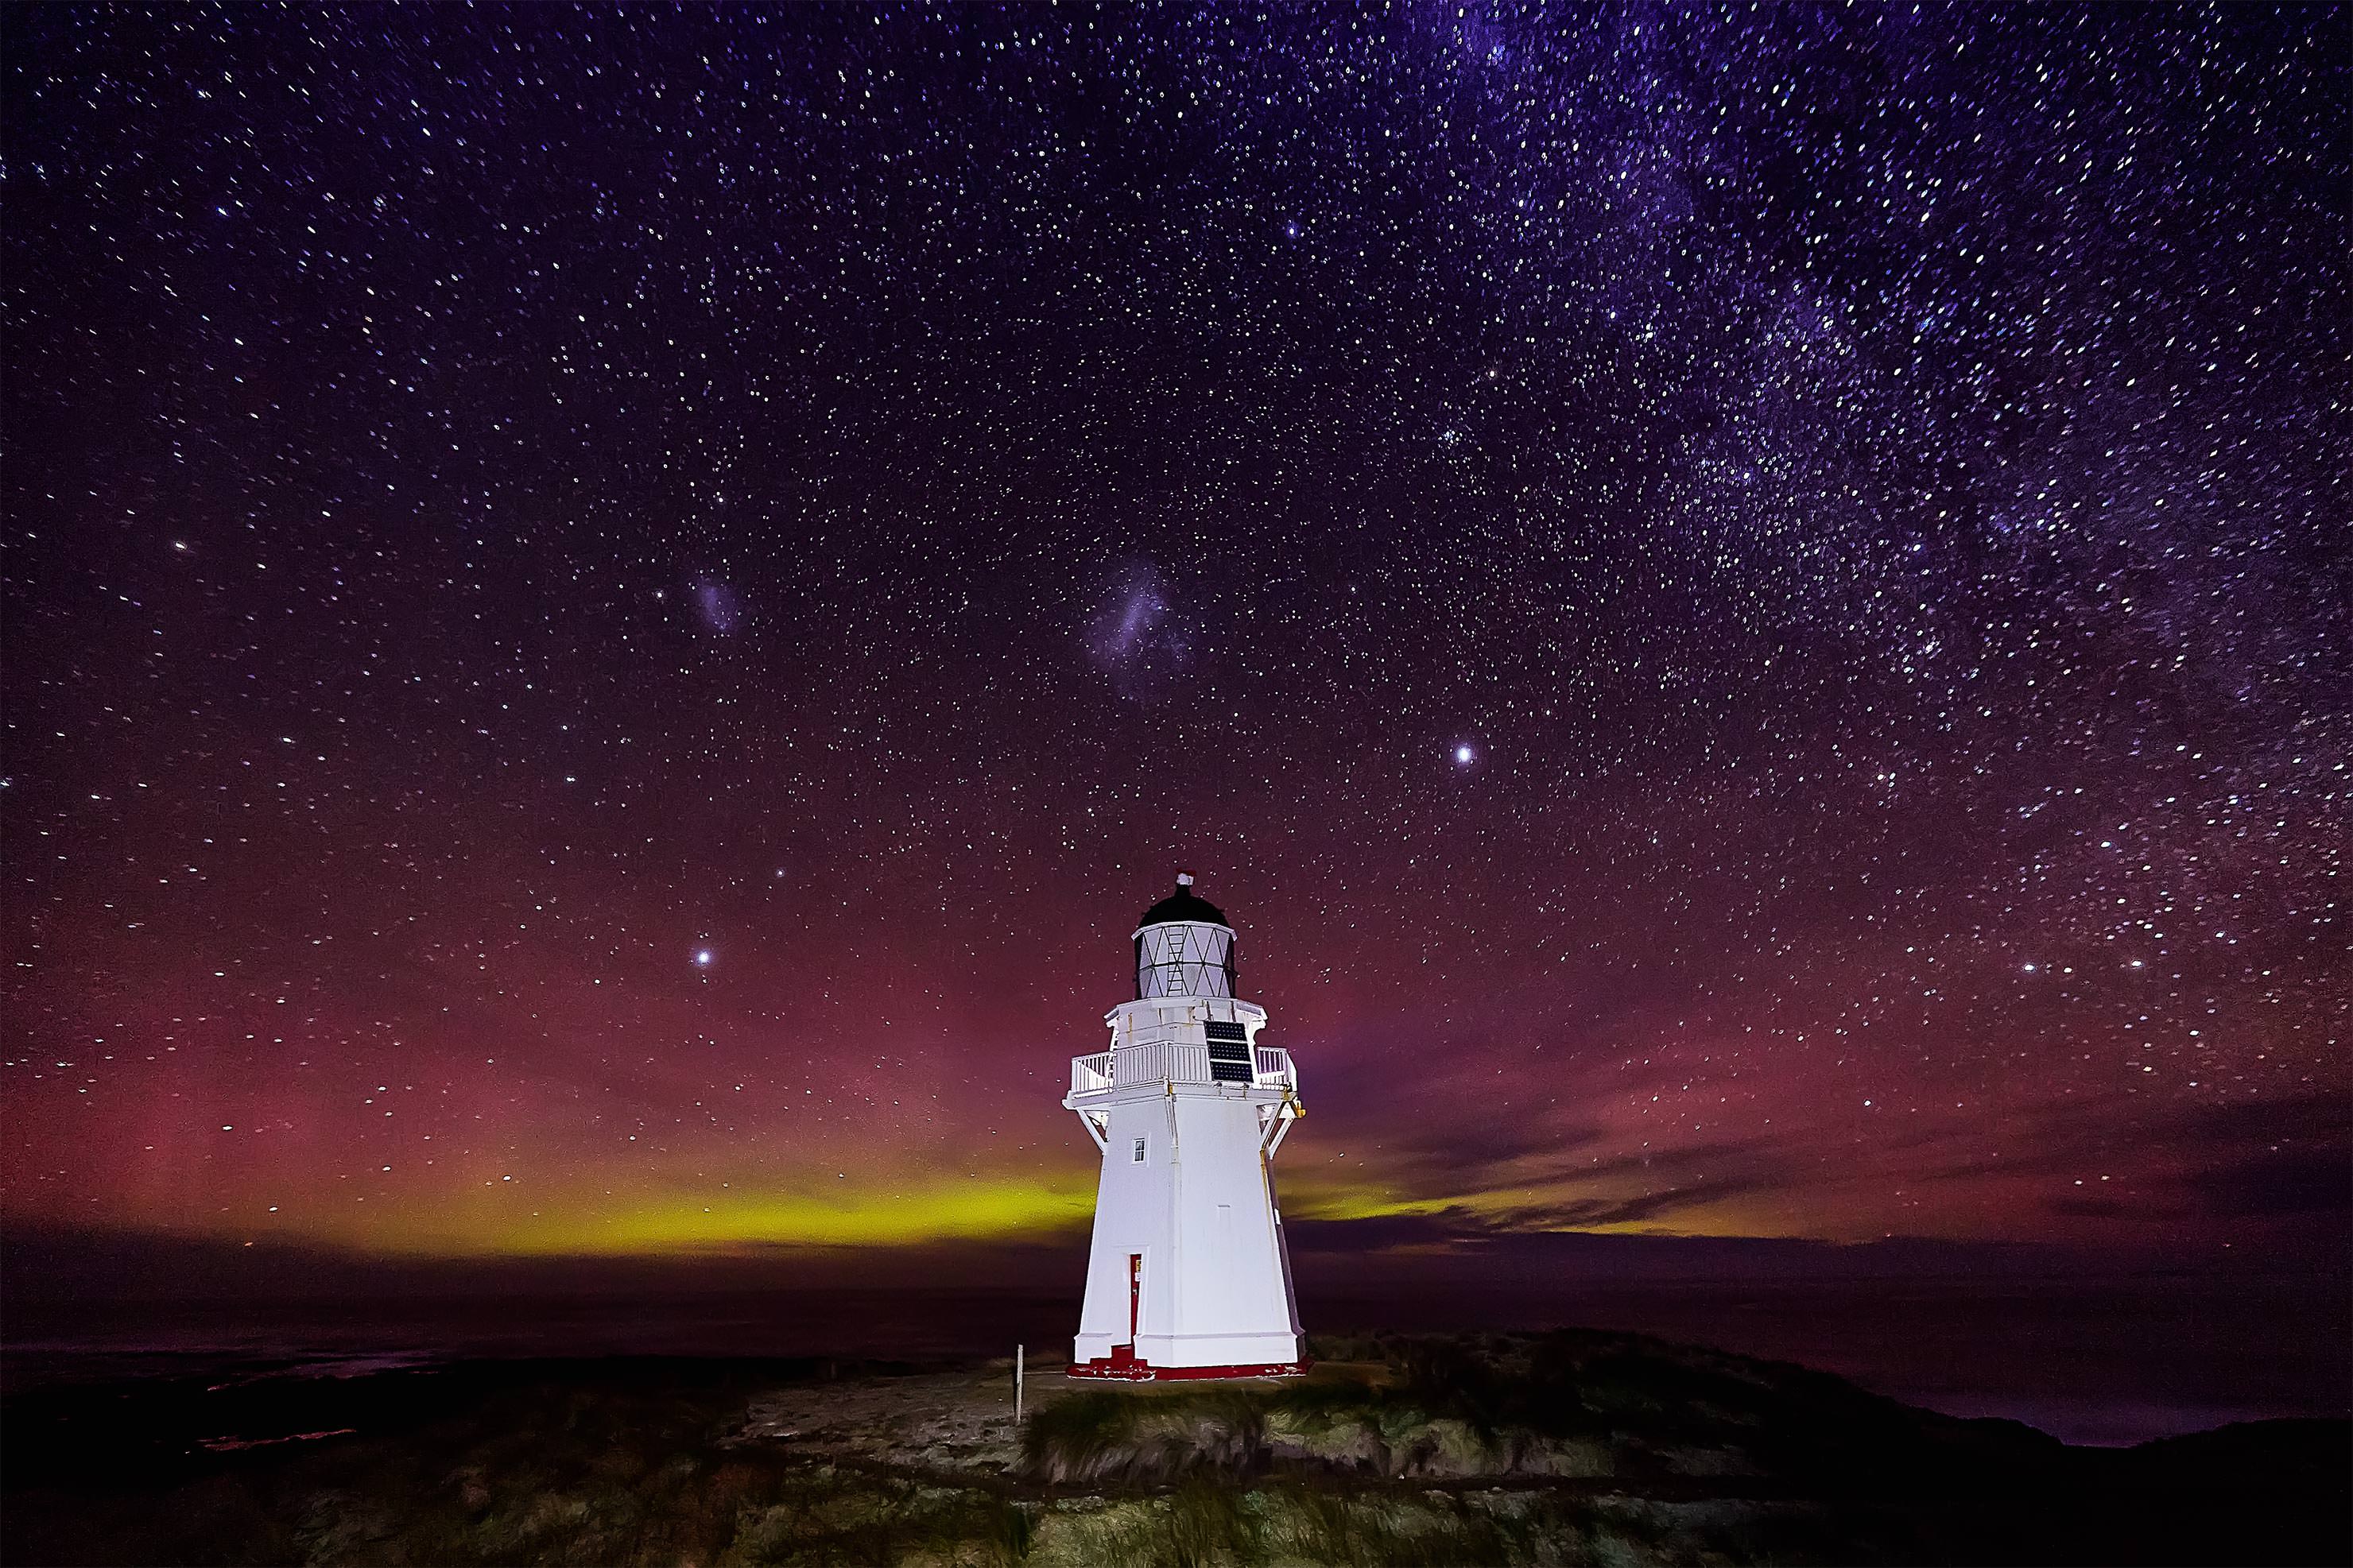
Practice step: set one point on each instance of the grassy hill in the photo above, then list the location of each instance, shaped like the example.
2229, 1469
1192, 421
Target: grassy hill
1565, 1447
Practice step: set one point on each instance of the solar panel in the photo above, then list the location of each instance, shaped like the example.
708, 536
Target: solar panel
1229, 1052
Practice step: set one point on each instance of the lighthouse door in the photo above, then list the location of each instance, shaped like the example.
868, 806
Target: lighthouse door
1135, 1292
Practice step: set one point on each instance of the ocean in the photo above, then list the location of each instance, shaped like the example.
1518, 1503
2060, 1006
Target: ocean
2110, 1363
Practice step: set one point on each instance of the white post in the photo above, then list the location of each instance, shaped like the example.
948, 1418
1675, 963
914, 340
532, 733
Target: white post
1016, 1385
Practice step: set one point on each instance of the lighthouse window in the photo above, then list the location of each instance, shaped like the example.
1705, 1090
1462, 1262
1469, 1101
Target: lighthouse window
1139, 1152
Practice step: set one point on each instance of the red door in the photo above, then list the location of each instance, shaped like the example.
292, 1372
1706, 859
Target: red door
1123, 1357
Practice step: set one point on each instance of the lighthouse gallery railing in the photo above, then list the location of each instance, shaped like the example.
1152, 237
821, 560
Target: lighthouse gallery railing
1168, 1063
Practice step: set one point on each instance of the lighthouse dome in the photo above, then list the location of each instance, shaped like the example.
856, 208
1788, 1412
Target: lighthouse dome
1184, 904
1184, 947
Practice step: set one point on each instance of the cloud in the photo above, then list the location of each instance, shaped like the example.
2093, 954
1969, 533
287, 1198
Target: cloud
2277, 1183
1458, 1245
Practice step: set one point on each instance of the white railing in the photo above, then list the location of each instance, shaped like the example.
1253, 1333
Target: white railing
1166, 1062
1162, 1061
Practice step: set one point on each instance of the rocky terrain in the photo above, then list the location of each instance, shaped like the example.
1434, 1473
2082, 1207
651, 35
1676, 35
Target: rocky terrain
1567, 1448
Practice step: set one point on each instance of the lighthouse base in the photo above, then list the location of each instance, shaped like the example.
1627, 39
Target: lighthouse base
1121, 1367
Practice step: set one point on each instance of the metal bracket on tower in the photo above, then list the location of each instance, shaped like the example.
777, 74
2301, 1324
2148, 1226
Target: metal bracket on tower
1098, 1126
1275, 1125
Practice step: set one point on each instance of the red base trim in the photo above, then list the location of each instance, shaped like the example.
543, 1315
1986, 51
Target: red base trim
1122, 1367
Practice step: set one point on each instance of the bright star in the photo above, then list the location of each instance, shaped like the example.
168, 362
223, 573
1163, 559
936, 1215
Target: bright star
702, 957
1463, 755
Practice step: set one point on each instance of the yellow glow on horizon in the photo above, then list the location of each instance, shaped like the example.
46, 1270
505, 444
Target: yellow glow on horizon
687, 1212
1716, 1219
945, 1211
914, 1211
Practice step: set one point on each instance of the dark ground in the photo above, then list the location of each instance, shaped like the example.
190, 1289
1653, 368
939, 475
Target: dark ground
2089, 1355
1569, 1447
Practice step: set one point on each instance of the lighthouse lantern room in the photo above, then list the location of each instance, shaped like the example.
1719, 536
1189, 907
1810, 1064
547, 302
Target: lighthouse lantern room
1189, 1275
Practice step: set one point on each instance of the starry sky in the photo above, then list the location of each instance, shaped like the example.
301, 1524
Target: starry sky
610, 615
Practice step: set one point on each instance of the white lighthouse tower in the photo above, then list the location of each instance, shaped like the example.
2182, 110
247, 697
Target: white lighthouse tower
1189, 1275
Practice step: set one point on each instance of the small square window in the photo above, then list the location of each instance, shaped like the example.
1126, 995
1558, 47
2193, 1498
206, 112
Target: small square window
1138, 1155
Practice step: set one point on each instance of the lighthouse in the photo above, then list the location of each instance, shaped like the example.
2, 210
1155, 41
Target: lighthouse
1189, 1275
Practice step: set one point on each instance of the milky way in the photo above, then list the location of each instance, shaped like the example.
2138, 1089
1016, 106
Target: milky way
611, 615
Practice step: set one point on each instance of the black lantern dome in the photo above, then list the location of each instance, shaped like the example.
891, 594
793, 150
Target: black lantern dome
1184, 904
1184, 946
